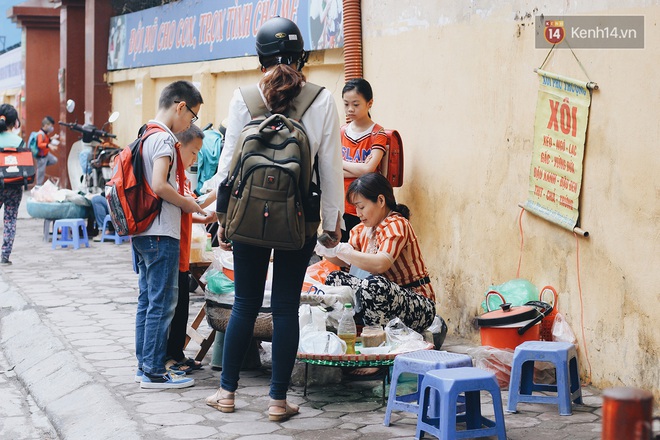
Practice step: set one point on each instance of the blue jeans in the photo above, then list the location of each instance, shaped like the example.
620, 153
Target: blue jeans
100, 208
157, 259
250, 268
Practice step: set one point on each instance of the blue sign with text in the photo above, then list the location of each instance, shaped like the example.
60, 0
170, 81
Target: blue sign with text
202, 30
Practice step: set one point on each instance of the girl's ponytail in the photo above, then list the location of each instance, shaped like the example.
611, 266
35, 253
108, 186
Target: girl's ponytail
8, 117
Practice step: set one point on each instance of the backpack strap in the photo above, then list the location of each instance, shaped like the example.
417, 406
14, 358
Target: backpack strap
304, 100
255, 103
257, 107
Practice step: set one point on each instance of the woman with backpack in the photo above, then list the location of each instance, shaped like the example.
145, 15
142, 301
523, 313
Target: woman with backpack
364, 142
282, 57
10, 195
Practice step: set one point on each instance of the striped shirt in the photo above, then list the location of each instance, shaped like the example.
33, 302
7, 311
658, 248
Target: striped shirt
356, 148
395, 237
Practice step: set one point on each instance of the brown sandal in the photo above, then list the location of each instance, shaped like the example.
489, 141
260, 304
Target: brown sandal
281, 410
222, 401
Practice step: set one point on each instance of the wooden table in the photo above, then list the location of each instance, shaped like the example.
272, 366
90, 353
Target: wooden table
197, 270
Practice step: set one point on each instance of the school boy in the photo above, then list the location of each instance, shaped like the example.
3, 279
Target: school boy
45, 144
156, 251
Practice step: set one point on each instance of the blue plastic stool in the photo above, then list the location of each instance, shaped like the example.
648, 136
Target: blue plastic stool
564, 356
118, 239
70, 233
418, 362
448, 384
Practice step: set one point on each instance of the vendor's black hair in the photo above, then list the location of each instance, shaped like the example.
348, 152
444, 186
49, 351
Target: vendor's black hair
372, 185
10, 116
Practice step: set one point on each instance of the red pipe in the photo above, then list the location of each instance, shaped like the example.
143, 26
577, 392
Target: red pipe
352, 39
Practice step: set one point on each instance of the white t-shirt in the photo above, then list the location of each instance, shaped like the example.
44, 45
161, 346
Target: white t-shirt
161, 144
321, 123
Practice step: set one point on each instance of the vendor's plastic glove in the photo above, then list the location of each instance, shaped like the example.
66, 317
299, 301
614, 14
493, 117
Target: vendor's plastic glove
344, 252
323, 251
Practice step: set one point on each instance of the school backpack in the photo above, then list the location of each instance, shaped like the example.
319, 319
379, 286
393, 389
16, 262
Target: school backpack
33, 143
16, 166
391, 164
269, 199
133, 204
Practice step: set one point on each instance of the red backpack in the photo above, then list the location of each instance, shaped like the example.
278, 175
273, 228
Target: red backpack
391, 164
16, 166
133, 204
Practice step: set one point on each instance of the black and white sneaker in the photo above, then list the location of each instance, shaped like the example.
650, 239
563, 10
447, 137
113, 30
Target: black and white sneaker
165, 381
5, 262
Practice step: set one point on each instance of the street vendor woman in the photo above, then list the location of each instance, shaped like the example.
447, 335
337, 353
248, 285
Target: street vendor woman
384, 246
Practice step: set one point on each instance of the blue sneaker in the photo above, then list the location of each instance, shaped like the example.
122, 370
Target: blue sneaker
139, 373
166, 381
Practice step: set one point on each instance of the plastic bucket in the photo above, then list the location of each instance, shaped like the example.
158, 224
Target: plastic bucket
506, 336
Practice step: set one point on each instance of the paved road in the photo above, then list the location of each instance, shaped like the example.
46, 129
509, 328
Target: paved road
67, 365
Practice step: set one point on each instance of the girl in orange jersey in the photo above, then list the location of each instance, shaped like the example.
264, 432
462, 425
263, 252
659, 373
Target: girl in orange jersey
385, 246
363, 141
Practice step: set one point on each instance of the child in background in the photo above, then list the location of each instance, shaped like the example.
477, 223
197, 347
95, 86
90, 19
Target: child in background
191, 144
156, 250
363, 142
10, 195
46, 143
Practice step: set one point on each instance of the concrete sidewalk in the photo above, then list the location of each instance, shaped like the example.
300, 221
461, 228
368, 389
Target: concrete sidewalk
67, 330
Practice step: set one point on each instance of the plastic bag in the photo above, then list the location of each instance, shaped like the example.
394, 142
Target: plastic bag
197, 243
438, 331
321, 343
45, 193
402, 338
516, 292
319, 294
311, 315
217, 282
496, 360
317, 273
561, 331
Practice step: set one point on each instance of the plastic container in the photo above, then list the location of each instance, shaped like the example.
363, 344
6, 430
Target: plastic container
346, 329
209, 241
372, 336
511, 326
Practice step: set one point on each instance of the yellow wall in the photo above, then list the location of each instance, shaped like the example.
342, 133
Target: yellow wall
457, 80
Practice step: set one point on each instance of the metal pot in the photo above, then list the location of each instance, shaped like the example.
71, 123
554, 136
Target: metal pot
512, 325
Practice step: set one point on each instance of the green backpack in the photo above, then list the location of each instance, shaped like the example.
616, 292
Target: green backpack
269, 198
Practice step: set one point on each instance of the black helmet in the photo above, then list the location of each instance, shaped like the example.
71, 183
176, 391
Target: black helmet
280, 37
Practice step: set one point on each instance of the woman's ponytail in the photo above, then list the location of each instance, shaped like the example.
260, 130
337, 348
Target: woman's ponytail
403, 210
281, 85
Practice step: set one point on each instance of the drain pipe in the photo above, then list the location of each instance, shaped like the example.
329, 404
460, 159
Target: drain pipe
352, 39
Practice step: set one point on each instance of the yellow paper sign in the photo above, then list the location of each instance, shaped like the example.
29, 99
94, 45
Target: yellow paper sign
555, 178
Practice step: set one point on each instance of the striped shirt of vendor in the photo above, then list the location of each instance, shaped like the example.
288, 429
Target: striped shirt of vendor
395, 237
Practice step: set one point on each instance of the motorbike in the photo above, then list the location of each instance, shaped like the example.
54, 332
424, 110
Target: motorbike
89, 157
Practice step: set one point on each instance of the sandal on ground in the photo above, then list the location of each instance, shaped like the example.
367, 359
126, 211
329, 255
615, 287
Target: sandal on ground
281, 410
222, 400
188, 365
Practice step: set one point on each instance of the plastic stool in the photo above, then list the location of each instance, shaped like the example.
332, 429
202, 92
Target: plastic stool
118, 239
70, 233
564, 356
449, 384
418, 362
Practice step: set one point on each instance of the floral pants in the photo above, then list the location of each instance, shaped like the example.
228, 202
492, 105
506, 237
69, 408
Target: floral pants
10, 197
382, 300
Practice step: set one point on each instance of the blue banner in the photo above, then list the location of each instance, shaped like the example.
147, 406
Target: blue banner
201, 30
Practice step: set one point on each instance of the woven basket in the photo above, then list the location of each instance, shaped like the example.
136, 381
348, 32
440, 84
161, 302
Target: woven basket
218, 318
